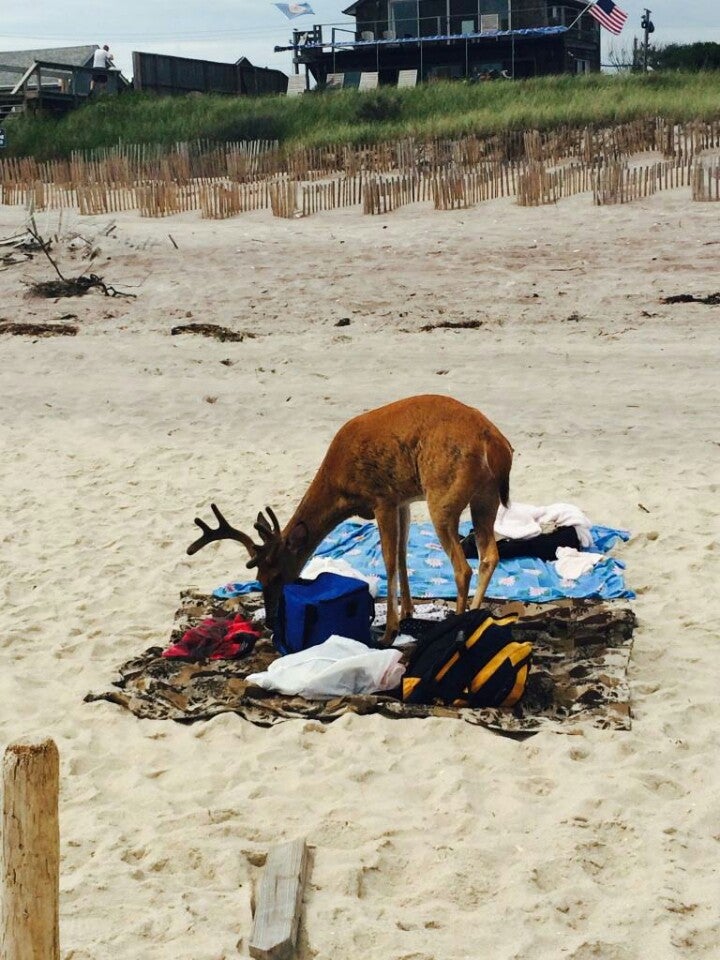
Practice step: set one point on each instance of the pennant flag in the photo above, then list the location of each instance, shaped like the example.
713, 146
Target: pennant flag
609, 15
292, 10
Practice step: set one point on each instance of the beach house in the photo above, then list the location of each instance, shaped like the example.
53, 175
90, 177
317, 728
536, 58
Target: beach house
450, 39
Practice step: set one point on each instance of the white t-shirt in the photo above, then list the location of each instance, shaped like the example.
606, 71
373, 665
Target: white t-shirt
102, 60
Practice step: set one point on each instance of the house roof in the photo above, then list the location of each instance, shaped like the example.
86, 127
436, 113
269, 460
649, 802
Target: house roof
72, 56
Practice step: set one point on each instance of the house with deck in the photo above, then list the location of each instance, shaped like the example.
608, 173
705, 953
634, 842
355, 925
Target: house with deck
450, 39
53, 79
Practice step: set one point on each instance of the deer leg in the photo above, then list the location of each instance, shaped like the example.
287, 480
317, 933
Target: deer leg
388, 527
483, 518
406, 604
445, 520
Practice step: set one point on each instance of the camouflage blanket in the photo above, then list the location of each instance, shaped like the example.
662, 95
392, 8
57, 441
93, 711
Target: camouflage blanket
578, 675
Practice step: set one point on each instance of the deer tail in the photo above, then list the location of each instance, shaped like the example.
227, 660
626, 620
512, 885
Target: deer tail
504, 488
500, 455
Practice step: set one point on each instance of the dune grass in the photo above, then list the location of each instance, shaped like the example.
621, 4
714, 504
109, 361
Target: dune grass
442, 109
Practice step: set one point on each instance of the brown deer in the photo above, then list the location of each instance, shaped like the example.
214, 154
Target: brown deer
428, 448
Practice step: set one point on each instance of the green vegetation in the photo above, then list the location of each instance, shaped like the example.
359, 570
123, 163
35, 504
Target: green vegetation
442, 109
685, 56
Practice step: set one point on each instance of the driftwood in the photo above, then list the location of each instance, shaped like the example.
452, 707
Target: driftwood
277, 917
12, 260
212, 330
712, 300
73, 287
452, 325
39, 329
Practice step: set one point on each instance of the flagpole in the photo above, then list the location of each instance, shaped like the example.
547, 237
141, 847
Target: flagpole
581, 14
512, 40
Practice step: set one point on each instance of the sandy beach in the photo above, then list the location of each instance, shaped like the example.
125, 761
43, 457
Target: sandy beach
432, 839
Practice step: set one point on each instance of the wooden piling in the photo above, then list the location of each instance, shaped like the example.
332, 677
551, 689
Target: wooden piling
31, 851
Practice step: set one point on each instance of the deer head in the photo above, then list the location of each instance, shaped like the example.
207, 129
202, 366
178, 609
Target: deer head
278, 558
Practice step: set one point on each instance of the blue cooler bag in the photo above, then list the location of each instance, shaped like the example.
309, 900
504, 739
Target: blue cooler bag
310, 611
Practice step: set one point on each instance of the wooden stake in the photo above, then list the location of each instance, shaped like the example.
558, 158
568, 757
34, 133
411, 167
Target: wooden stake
277, 916
31, 852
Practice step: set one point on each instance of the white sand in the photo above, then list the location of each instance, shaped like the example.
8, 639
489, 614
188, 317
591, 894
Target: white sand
434, 840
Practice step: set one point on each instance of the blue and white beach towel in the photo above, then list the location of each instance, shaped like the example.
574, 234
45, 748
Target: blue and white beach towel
431, 574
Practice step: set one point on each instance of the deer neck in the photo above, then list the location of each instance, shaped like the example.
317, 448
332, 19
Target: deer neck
320, 511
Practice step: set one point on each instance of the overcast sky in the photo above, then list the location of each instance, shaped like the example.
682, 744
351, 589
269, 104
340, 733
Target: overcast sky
227, 29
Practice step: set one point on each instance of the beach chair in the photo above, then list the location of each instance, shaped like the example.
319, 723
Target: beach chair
407, 78
335, 81
296, 85
368, 81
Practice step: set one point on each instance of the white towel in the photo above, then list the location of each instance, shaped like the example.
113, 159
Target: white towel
317, 565
571, 564
521, 521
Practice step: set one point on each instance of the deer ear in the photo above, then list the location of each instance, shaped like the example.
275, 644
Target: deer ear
297, 538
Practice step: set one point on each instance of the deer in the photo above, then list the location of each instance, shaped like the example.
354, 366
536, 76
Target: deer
427, 447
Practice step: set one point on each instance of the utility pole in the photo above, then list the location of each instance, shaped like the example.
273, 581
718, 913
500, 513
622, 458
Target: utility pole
649, 27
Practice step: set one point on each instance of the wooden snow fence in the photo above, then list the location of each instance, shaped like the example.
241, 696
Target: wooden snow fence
218, 201
13, 193
35, 196
456, 190
537, 167
342, 192
385, 194
283, 198
706, 182
618, 183
163, 199
452, 192
537, 186
672, 174
30, 194
98, 198
685, 141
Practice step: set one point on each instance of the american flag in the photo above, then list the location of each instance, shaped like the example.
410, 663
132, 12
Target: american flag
609, 15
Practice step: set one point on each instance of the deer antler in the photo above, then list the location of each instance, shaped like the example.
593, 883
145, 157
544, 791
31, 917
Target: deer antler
267, 532
223, 532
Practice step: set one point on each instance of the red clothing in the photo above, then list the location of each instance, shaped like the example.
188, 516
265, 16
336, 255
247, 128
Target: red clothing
215, 639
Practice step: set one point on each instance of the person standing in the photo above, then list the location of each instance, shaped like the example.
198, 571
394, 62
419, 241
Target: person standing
102, 63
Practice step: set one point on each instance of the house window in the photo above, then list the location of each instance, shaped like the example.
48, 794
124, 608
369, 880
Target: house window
404, 18
582, 66
500, 9
557, 16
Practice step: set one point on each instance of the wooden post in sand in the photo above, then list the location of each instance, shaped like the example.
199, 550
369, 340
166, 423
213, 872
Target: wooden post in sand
31, 851
277, 915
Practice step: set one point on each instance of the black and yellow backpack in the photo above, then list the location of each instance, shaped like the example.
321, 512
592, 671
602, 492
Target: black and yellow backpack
468, 660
